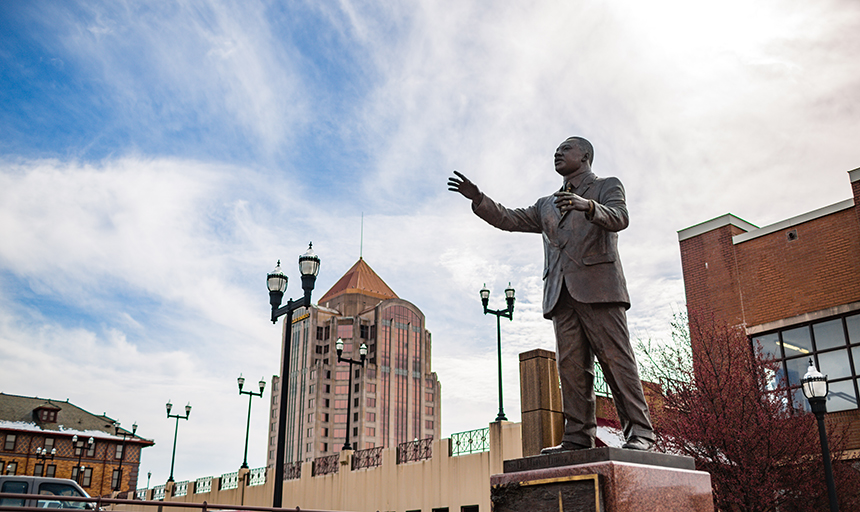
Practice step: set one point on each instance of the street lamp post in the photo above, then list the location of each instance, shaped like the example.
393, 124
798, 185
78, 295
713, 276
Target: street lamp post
251, 394
169, 406
90, 441
499, 313
309, 267
124, 433
815, 389
362, 351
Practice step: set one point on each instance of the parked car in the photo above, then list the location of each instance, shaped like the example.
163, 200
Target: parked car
51, 488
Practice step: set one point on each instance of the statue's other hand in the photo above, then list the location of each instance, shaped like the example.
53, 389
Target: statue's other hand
461, 184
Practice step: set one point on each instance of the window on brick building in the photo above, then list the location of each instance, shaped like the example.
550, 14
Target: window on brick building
834, 346
88, 477
118, 454
38, 469
9, 445
51, 470
11, 468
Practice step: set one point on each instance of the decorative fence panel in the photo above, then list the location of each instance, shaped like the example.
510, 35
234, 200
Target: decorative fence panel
471, 441
325, 465
369, 458
230, 481
413, 451
140, 494
181, 489
158, 493
258, 477
203, 485
292, 470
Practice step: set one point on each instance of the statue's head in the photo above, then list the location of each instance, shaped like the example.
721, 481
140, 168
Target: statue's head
573, 156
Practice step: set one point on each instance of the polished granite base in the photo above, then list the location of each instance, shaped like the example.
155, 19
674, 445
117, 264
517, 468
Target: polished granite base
602, 479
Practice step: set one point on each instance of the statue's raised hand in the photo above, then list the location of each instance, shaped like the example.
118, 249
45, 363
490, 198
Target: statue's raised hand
461, 184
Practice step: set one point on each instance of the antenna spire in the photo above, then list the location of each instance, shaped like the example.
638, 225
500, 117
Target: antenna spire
361, 244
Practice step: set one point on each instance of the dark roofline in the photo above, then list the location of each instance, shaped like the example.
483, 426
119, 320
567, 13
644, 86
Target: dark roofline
20, 408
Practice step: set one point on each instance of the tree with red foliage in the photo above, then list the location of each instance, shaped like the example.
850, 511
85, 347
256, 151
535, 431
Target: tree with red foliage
721, 407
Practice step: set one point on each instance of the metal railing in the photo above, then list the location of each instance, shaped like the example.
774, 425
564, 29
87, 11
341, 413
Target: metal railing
100, 503
230, 481
203, 485
413, 451
158, 493
292, 470
325, 465
181, 489
471, 441
140, 494
369, 458
257, 477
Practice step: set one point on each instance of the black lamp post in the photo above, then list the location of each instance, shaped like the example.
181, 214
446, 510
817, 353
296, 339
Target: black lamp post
178, 417
251, 394
509, 314
815, 389
90, 441
309, 267
124, 433
362, 351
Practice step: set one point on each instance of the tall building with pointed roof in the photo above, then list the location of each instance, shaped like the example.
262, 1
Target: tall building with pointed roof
395, 395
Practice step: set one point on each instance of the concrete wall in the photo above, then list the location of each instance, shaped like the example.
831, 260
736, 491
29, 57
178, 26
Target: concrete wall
441, 481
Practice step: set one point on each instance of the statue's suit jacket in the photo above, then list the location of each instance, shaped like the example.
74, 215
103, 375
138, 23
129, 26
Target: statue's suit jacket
579, 251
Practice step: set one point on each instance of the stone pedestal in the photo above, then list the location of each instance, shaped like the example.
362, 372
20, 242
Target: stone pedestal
540, 401
602, 480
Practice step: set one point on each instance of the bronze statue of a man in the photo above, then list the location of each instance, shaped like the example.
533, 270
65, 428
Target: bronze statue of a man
585, 293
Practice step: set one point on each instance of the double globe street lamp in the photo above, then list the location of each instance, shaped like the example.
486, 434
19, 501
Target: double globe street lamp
309, 267
815, 389
124, 433
362, 352
499, 313
80, 446
178, 417
251, 394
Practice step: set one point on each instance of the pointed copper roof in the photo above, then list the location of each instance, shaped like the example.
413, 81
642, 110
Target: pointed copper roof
360, 279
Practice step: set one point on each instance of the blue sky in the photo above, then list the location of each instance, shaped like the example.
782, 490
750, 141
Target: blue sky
157, 159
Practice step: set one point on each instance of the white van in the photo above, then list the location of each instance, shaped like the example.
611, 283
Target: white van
50, 488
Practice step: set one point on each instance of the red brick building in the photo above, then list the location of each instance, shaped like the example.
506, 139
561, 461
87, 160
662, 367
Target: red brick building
44, 437
794, 286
